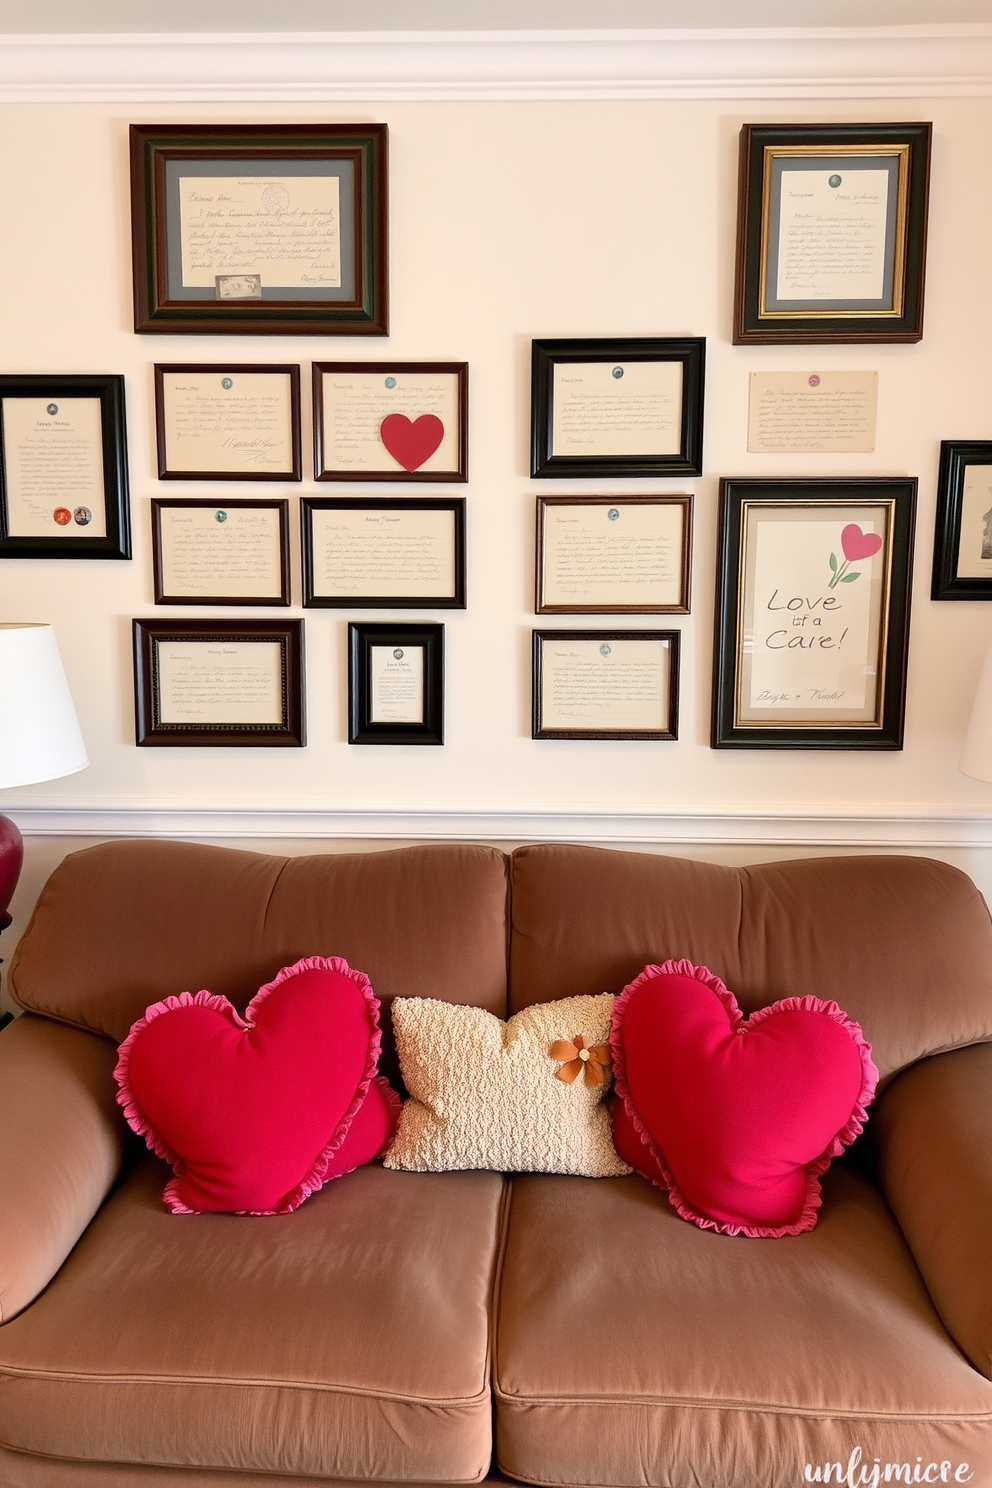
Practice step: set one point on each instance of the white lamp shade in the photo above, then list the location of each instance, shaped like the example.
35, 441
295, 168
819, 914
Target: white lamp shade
39, 731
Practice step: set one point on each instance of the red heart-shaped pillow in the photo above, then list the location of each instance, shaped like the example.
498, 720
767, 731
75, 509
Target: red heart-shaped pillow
737, 1120
256, 1113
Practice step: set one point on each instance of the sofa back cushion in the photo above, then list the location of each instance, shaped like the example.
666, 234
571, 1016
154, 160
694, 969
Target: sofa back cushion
902, 944
126, 924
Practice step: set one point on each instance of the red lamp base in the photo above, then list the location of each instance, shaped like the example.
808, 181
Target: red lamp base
11, 858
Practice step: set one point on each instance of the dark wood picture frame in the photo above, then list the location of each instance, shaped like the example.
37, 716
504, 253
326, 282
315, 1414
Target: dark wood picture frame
292, 472
611, 503
109, 390
688, 351
363, 638
670, 638
454, 504
390, 470
149, 728
734, 633
201, 503
948, 583
897, 314
355, 153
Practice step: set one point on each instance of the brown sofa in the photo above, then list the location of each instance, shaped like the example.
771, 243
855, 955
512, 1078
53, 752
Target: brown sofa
435, 1328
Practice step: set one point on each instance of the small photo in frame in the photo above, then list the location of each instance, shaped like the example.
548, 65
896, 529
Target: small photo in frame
831, 232
623, 555
605, 684
63, 467
381, 553
227, 421
395, 683
209, 552
626, 407
390, 421
219, 683
962, 550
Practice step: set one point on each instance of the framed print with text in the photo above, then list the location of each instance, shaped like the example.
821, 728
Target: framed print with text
208, 552
962, 550
812, 625
623, 555
625, 407
219, 682
395, 683
390, 421
255, 229
221, 421
605, 684
831, 232
379, 553
63, 467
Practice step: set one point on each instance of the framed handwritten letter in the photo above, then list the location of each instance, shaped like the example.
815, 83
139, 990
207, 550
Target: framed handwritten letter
962, 550
217, 421
63, 467
219, 682
605, 684
831, 232
207, 552
624, 407
623, 555
370, 551
395, 684
390, 421
249, 229
812, 629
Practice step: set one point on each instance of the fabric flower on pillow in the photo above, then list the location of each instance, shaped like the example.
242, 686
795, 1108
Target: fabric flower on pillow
595, 1060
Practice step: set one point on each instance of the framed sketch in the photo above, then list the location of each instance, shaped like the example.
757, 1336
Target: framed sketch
831, 232
221, 421
812, 628
379, 553
207, 553
390, 421
622, 555
624, 407
962, 549
605, 684
255, 229
63, 467
395, 684
218, 682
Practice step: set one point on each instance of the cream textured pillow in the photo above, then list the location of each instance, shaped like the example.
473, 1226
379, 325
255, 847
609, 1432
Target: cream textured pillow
489, 1094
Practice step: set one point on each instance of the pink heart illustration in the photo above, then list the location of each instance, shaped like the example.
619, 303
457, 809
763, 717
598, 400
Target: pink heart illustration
411, 443
858, 544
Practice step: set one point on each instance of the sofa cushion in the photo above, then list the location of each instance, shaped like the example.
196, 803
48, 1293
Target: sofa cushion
634, 1349
350, 1339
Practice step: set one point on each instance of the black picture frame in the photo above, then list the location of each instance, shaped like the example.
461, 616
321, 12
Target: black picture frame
604, 641
108, 389
614, 508
400, 507
363, 726
795, 612
957, 519
767, 153
292, 471
389, 469
280, 505
688, 352
164, 303
149, 728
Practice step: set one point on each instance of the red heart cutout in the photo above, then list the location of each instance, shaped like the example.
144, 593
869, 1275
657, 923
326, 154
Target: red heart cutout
411, 444
256, 1113
858, 544
736, 1119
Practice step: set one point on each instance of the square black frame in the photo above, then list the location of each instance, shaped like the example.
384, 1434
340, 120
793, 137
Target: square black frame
288, 369
361, 639
538, 731
310, 504
109, 389
204, 503
955, 457
690, 351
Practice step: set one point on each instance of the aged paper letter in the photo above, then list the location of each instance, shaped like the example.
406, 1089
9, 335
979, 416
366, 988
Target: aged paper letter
397, 684
285, 228
605, 408
831, 243
355, 404
221, 552
812, 412
975, 546
385, 553
233, 422
613, 556
53, 467
596, 685
210, 682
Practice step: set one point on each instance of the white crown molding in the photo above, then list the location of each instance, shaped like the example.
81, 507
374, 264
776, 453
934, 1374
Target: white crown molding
825, 62
728, 828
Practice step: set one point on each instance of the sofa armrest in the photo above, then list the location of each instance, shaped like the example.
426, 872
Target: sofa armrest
61, 1145
933, 1136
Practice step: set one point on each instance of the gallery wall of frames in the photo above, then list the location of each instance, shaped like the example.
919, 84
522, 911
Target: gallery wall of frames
628, 457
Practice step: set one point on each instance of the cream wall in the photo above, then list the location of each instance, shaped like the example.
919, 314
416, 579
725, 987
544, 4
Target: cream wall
508, 220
